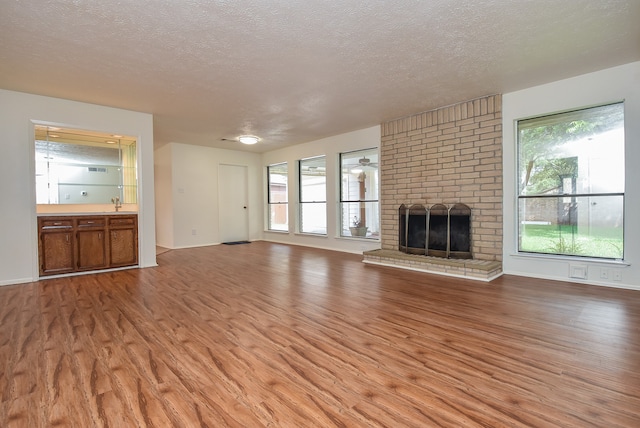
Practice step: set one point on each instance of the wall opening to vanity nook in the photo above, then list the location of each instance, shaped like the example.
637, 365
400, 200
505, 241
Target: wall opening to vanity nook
86, 200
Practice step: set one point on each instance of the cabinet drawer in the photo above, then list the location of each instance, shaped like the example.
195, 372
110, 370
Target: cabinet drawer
56, 224
122, 221
91, 222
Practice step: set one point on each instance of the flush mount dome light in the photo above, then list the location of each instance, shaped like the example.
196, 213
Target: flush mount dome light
248, 139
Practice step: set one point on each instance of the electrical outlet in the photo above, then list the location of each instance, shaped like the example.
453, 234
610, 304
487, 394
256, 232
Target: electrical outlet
578, 271
604, 273
617, 275
193, 232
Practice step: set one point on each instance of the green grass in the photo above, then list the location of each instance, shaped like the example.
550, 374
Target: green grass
571, 240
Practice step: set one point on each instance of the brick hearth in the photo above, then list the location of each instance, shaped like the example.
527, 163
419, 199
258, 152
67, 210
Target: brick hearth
483, 270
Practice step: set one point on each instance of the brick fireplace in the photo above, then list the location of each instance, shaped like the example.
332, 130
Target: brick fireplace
451, 155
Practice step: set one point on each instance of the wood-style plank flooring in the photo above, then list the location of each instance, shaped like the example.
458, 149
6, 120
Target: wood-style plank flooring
270, 335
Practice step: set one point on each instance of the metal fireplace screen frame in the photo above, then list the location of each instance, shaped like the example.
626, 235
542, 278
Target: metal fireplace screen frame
438, 231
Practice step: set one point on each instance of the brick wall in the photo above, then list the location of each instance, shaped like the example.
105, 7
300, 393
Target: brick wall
449, 155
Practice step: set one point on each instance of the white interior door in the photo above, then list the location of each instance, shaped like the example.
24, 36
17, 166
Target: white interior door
232, 203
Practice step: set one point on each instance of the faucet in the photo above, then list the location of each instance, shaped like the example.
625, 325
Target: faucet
117, 203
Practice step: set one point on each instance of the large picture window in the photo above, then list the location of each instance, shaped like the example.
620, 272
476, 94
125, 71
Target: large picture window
277, 176
359, 194
571, 183
313, 195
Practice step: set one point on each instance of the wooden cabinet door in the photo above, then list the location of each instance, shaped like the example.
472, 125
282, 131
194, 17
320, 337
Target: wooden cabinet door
56, 252
92, 252
123, 247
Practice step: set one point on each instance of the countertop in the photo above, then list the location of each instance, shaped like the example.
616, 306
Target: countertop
87, 213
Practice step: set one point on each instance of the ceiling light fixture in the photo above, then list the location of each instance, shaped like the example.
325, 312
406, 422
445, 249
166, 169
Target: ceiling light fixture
248, 139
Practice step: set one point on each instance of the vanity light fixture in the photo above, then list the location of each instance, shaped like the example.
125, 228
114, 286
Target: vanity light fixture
248, 139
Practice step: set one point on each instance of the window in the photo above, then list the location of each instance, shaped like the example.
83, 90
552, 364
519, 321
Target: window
359, 194
571, 183
278, 197
313, 195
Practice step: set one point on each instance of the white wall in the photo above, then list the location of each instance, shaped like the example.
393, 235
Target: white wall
614, 84
187, 180
164, 196
331, 147
18, 237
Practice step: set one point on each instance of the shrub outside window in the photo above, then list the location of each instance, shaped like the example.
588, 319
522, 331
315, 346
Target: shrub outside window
571, 183
359, 212
277, 176
313, 195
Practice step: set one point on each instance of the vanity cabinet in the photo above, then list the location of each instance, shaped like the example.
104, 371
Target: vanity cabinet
83, 243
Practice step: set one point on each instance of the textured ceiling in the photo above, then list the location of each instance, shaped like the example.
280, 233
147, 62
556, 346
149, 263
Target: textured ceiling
296, 71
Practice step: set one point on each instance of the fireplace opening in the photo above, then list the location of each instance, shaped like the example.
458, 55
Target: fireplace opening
438, 231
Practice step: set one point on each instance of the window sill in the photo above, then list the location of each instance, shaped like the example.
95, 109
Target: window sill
357, 238
313, 235
572, 259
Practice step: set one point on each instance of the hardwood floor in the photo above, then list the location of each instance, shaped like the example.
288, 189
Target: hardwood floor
269, 335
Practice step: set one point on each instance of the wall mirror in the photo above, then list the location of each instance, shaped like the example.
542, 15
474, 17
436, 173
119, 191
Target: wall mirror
84, 167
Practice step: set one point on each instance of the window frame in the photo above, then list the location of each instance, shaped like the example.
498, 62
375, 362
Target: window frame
562, 196
368, 234
314, 202
273, 204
